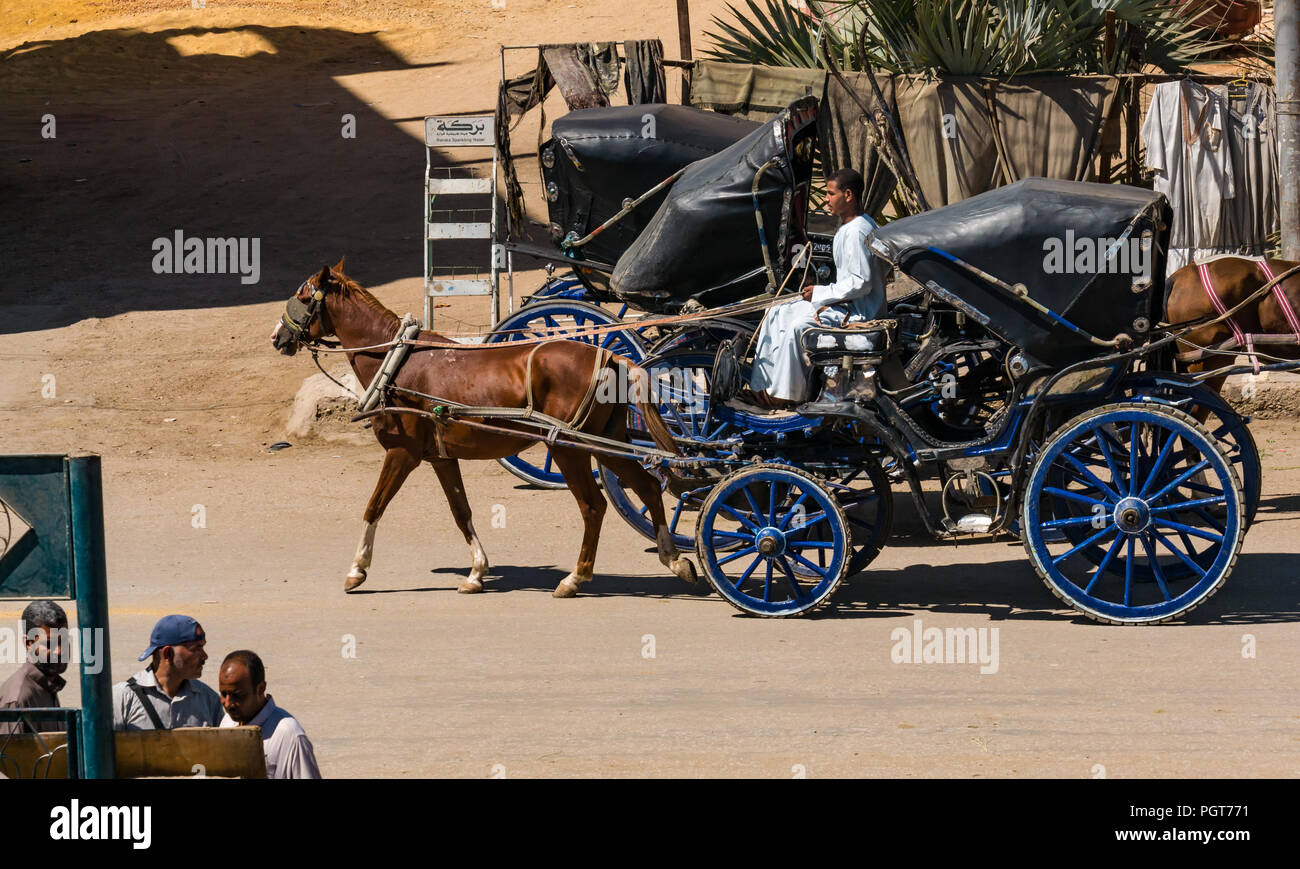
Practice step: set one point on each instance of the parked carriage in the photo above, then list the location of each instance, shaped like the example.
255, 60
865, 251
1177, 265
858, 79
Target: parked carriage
1028, 381
622, 183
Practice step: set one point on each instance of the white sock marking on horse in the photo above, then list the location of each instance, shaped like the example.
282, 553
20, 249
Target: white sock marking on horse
479, 559
365, 550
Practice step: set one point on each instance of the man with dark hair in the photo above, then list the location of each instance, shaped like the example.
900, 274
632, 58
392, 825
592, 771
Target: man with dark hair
242, 681
39, 680
168, 693
780, 377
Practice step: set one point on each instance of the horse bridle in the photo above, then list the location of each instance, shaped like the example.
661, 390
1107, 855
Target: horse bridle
298, 317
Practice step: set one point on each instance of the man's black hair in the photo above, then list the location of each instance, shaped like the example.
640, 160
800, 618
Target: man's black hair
43, 614
850, 180
256, 672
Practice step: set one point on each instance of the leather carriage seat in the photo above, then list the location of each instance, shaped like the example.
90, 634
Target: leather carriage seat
868, 341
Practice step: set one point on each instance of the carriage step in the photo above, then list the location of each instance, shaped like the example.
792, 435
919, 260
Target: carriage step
971, 523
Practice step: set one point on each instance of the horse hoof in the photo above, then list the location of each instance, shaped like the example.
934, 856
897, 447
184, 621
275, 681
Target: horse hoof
567, 588
684, 569
470, 586
353, 580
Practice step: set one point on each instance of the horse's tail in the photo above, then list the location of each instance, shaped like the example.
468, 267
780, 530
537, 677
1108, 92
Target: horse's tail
643, 397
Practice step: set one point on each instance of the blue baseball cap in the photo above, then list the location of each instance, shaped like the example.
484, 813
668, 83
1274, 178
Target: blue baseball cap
172, 631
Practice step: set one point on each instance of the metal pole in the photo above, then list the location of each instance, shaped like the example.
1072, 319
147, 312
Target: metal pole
684, 40
424, 234
1286, 26
87, 507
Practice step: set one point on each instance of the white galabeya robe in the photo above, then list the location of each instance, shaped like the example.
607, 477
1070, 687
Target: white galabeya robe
857, 294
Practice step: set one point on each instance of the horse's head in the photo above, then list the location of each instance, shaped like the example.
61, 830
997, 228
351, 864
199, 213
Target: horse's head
306, 319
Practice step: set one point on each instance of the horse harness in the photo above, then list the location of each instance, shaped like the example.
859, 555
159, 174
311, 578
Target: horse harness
1239, 335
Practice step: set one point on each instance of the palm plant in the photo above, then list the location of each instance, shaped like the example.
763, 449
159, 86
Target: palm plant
998, 38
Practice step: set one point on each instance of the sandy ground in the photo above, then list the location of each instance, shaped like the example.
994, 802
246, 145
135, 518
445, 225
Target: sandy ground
225, 121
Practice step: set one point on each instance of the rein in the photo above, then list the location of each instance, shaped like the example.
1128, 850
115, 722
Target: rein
550, 333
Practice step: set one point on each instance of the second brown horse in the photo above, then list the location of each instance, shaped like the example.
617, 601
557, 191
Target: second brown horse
1233, 280
561, 374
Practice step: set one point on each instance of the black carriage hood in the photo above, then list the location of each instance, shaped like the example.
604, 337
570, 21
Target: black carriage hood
703, 242
1060, 239
596, 158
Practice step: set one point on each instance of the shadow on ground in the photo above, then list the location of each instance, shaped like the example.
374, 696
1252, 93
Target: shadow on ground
158, 131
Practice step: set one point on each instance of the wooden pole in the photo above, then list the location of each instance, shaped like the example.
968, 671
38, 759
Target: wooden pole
684, 39
1286, 24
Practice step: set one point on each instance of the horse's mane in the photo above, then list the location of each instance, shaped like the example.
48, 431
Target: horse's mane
353, 289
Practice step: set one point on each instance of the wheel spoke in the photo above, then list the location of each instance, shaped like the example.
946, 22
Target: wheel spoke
1188, 529
1089, 476
748, 570
744, 520
794, 509
1134, 461
1180, 479
1165, 452
1128, 572
1155, 566
1091, 540
820, 570
1210, 520
1187, 505
1105, 562
739, 553
1196, 568
1071, 496
758, 511
1115, 475
789, 574
1078, 520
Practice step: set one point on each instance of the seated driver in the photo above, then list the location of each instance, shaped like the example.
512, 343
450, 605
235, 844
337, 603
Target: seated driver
780, 376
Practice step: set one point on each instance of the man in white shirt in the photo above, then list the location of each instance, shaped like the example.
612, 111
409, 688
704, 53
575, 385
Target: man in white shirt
168, 694
780, 376
242, 681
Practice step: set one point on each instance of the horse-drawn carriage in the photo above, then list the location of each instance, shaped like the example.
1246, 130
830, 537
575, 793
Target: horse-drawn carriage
1026, 379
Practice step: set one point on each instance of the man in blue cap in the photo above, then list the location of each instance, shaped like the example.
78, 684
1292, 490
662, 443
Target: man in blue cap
168, 694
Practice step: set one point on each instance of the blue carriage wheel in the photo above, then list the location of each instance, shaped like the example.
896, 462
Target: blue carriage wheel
780, 517
680, 512
1227, 426
1143, 482
1232, 434
681, 379
553, 318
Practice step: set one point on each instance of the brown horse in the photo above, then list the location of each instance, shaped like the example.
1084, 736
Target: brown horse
331, 304
1233, 279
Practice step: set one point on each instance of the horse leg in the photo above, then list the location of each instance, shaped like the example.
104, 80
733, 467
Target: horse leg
448, 471
646, 487
575, 466
398, 464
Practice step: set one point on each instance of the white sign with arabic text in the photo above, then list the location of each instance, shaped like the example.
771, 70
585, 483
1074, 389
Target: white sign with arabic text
442, 131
